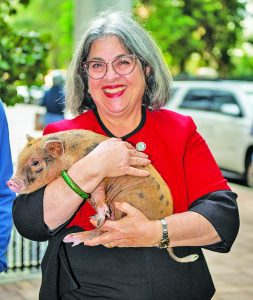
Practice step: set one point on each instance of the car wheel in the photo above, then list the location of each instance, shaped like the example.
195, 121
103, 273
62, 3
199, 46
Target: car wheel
249, 173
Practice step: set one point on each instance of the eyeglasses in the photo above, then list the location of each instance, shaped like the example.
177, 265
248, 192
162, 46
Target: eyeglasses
97, 69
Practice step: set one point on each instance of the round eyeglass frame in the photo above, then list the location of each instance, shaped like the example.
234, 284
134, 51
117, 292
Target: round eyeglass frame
86, 64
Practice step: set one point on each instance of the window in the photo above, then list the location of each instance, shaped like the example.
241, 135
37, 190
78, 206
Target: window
198, 99
222, 97
208, 99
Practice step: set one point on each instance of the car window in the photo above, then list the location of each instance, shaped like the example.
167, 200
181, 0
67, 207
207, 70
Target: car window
208, 99
222, 97
198, 99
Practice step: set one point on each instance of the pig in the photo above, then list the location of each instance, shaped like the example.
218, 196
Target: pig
43, 159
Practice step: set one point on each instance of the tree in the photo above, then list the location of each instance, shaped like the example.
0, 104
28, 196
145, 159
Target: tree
56, 20
207, 29
22, 54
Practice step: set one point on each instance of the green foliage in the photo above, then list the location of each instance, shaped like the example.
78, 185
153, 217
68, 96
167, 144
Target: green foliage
22, 55
54, 18
195, 29
243, 67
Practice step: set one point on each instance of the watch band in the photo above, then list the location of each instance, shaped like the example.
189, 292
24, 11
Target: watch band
165, 242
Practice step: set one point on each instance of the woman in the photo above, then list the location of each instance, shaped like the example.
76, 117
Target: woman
118, 76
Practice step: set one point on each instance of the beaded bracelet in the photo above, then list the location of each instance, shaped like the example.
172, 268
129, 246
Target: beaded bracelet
73, 185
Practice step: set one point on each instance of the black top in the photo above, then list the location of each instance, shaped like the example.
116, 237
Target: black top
83, 272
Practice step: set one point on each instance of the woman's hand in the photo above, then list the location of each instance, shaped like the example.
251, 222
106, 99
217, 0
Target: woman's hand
134, 230
115, 157
111, 158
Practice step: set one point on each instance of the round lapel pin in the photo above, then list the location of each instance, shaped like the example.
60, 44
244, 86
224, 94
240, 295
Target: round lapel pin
140, 146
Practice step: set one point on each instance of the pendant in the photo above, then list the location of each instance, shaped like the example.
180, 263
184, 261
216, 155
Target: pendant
140, 146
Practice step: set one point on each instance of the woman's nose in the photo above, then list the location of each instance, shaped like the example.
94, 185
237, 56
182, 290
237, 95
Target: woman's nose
111, 74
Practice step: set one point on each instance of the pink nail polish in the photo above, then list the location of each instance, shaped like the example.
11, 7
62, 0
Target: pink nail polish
72, 239
76, 243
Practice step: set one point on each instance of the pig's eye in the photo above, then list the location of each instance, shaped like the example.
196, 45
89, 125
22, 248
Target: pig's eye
34, 163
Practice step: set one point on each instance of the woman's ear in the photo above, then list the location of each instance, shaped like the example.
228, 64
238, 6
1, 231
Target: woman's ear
147, 70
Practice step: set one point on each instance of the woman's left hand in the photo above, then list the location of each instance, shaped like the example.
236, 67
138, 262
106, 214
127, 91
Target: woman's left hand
134, 230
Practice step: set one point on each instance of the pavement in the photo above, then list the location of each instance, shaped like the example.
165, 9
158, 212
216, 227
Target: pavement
232, 272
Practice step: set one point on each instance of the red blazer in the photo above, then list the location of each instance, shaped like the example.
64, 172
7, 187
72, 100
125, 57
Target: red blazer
176, 150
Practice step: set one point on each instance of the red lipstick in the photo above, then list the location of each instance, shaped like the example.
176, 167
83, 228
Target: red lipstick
114, 91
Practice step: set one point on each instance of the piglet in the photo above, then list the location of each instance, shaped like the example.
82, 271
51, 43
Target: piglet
43, 159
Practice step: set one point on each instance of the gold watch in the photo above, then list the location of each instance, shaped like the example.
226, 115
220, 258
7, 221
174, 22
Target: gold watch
165, 241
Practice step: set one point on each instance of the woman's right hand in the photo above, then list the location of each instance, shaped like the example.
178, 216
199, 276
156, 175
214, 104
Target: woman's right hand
114, 157
110, 158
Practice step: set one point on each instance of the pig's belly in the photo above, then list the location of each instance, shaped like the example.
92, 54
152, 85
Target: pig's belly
142, 193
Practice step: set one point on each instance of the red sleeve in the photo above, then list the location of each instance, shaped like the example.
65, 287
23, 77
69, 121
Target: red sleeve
202, 174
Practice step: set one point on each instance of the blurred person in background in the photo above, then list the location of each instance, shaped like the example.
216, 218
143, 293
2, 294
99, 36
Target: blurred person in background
54, 99
116, 85
6, 195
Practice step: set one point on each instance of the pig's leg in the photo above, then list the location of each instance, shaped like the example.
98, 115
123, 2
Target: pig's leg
97, 200
80, 237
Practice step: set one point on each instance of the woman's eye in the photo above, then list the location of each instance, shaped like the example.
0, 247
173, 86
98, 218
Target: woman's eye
96, 65
124, 62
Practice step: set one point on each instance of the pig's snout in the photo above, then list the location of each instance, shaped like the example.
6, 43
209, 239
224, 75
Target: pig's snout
17, 185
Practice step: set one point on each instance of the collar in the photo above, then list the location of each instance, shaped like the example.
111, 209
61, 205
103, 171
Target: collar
127, 136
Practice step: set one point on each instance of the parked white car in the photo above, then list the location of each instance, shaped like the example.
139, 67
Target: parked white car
223, 112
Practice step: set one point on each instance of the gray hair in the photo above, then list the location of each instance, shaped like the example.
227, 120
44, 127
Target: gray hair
137, 41
57, 78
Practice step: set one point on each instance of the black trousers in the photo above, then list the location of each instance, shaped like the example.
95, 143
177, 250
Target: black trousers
137, 274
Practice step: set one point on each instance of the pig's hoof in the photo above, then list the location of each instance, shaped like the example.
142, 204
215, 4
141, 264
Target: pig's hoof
104, 211
99, 219
108, 213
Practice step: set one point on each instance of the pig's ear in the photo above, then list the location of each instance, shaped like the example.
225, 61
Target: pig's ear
54, 148
29, 138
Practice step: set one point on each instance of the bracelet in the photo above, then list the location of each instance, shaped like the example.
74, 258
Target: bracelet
73, 185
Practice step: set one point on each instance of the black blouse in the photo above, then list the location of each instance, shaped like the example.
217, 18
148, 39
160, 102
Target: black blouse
59, 276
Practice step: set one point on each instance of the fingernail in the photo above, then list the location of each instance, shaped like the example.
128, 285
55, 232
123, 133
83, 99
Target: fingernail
76, 243
72, 239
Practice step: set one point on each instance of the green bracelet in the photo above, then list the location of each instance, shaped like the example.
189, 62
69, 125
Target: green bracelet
73, 185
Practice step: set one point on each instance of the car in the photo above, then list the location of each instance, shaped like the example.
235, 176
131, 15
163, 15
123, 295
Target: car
223, 113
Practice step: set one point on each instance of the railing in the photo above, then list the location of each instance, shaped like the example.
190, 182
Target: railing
23, 254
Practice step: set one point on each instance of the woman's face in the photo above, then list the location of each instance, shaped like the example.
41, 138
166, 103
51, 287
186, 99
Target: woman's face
115, 95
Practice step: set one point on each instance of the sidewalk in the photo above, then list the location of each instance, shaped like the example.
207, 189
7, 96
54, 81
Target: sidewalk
232, 273
21, 288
